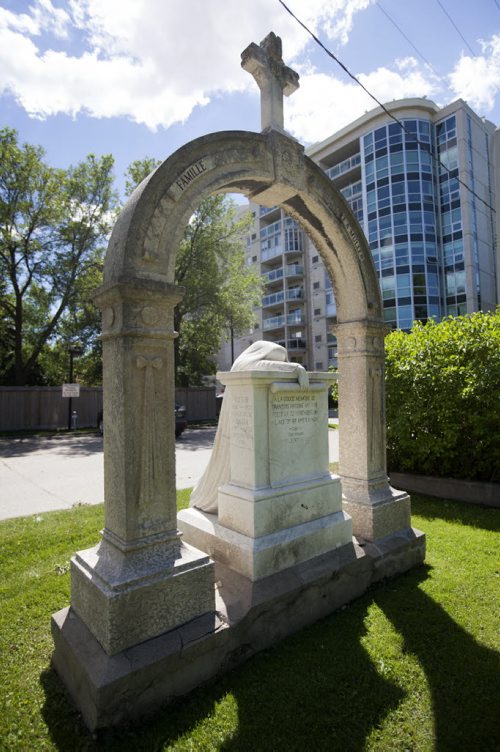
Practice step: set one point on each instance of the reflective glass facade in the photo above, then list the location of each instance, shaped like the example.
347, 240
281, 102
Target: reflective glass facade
401, 210
432, 240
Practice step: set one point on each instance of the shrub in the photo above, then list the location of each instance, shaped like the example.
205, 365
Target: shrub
333, 392
443, 398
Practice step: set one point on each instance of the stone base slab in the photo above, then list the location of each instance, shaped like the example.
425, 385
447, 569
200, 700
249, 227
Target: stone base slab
372, 521
130, 597
263, 511
249, 616
261, 557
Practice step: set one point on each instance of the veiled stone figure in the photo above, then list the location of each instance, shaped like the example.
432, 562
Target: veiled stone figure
259, 356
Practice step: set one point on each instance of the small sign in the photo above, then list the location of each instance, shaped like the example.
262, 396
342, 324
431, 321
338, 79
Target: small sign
71, 390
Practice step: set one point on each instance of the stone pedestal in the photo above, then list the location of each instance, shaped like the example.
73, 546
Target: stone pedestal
281, 506
128, 598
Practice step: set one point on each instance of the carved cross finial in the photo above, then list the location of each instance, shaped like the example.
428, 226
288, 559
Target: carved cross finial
274, 79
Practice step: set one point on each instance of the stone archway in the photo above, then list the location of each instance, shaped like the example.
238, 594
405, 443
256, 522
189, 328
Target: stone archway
145, 624
138, 298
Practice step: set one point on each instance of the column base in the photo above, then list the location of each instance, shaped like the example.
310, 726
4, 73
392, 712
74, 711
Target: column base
126, 598
377, 510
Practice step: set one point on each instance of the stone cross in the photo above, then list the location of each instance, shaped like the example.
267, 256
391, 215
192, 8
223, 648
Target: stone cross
273, 77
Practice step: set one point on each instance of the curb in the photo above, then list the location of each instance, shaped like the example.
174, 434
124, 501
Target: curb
470, 491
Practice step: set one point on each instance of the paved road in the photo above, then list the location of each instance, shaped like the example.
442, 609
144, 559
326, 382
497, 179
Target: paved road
41, 474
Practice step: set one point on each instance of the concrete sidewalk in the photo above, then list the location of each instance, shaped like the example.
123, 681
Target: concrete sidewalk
46, 473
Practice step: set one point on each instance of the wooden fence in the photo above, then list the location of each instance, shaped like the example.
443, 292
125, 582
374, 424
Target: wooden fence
44, 408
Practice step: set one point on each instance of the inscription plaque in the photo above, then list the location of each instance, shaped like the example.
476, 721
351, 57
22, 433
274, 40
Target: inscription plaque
296, 436
241, 422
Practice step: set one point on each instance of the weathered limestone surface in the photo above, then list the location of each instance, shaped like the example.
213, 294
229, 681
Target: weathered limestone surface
376, 509
129, 598
249, 617
280, 506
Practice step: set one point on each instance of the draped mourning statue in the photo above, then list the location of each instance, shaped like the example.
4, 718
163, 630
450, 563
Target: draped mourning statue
259, 356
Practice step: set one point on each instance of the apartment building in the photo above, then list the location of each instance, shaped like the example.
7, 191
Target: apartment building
433, 240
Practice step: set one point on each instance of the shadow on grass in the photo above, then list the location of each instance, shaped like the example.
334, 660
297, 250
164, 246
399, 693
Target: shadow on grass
429, 507
318, 689
463, 675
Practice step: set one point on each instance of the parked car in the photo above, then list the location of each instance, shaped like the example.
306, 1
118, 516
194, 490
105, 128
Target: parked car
180, 420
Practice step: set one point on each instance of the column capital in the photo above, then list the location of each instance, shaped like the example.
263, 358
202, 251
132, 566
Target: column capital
360, 338
139, 308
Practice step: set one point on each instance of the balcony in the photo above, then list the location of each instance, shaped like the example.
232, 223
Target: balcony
274, 299
270, 253
296, 344
348, 164
271, 229
292, 270
297, 317
266, 210
296, 293
275, 322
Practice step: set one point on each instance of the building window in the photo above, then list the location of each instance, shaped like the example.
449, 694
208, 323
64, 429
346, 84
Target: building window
316, 286
319, 365
315, 259
317, 311
318, 338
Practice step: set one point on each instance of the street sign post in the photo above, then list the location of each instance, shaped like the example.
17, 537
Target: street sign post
71, 390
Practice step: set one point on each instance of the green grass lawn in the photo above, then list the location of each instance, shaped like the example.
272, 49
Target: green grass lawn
412, 665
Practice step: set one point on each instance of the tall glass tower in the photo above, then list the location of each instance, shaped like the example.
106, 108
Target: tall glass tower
423, 191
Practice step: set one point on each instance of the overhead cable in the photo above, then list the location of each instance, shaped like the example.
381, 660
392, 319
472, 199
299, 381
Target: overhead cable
426, 147
456, 28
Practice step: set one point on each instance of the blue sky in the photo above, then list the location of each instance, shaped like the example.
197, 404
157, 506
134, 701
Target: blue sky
142, 77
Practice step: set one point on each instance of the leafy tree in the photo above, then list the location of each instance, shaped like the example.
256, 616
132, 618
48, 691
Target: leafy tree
220, 289
138, 171
443, 398
53, 225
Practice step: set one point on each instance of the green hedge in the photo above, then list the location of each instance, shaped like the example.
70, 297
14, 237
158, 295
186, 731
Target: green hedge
443, 398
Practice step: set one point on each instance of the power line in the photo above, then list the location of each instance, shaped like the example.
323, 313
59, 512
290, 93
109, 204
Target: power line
411, 135
393, 22
456, 28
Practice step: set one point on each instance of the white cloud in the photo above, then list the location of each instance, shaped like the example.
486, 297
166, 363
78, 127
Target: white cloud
42, 16
151, 61
154, 61
324, 103
477, 79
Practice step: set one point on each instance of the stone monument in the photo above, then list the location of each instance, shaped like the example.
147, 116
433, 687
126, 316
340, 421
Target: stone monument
275, 503
152, 616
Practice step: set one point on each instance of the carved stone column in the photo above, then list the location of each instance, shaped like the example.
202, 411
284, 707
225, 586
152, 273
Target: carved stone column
128, 589
376, 509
